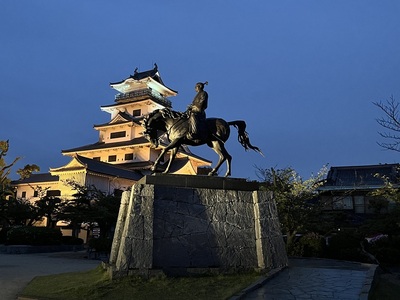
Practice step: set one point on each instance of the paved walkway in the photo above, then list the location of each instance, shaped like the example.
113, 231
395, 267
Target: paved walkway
317, 279
17, 270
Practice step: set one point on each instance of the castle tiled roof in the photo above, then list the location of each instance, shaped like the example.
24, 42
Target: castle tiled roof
108, 169
141, 75
40, 177
102, 145
154, 77
137, 141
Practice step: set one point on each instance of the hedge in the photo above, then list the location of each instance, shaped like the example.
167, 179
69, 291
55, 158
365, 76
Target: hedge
35, 236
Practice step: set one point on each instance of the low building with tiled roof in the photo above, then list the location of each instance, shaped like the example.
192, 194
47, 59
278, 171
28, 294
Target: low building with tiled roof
27, 187
348, 188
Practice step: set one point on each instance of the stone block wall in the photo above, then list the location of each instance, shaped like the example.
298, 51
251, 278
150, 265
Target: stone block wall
177, 227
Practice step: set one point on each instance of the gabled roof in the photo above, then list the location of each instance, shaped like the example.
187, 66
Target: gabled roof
151, 73
151, 79
120, 118
96, 166
360, 177
126, 116
40, 177
142, 75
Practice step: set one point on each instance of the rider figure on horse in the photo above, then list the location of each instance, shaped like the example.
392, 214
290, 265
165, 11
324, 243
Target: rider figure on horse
196, 113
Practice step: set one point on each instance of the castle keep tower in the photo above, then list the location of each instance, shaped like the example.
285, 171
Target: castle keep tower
121, 141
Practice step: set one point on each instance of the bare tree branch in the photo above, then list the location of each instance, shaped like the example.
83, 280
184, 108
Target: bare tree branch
391, 122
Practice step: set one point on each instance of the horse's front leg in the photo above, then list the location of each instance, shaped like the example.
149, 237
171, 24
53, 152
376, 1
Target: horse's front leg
157, 161
171, 159
172, 145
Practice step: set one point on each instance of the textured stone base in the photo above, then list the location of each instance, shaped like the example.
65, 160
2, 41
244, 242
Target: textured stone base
219, 224
205, 182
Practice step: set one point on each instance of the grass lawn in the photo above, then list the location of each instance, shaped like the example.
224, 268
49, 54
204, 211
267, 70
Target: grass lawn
95, 284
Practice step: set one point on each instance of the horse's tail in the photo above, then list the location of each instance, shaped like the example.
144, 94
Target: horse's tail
243, 136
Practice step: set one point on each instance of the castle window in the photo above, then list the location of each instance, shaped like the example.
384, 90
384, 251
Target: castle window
129, 156
35, 194
96, 158
23, 195
53, 193
112, 158
136, 113
118, 134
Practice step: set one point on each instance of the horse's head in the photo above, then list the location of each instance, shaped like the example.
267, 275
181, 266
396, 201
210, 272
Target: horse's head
150, 129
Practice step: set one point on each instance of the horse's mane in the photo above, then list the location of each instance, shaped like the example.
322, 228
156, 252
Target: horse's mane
169, 113
165, 113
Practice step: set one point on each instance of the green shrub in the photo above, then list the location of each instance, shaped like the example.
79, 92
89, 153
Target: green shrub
388, 255
310, 245
395, 242
345, 245
101, 244
71, 240
3, 234
385, 250
351, 254
30, 235
295, 249
313, 245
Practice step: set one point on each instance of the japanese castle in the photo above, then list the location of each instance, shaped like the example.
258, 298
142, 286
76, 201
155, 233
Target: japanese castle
121, 156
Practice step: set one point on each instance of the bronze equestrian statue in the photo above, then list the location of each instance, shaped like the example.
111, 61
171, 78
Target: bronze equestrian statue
197, 114
176, 126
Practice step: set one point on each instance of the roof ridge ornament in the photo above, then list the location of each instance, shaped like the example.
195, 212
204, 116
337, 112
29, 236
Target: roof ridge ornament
155, 69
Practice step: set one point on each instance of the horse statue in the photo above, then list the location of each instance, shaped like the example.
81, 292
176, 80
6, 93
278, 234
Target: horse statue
175, 126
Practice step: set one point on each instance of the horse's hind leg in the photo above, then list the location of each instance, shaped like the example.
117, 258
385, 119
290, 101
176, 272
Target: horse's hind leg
219, 148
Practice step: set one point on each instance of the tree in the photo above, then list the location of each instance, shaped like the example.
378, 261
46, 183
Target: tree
295, 199
391, 122
77, 211
12, 210
107, 209
382, 197
18, 212
92, 207
5, 169
390, 189
50, 208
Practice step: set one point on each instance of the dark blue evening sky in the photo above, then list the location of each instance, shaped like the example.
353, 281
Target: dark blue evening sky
303, 73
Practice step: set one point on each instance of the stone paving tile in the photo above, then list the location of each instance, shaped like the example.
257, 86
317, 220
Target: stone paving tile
298, 283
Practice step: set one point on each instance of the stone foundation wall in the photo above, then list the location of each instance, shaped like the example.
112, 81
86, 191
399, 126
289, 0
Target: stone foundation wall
176, 227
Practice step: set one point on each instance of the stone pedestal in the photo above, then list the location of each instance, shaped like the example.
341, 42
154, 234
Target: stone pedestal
187, 224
